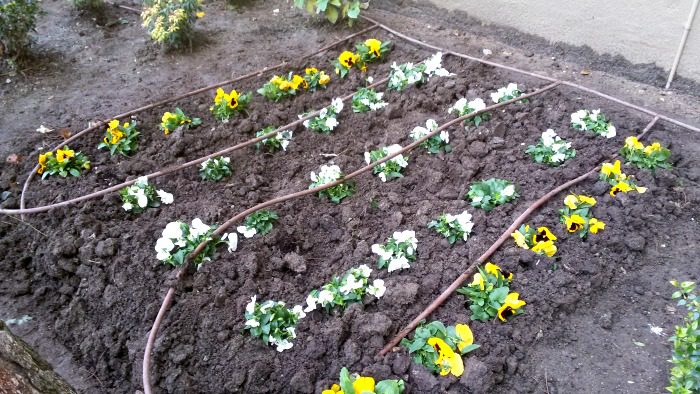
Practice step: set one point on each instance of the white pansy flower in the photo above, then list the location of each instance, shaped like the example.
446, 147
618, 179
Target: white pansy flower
406, 236
231, 240
141, 182
267, 305
433, 66
198, 228
377, 288
127, 206
445, 136
331, 123
165, 197
250, 307
325, 297
365, 271
508, 190
400, 159
477, 104
558, 157
247, 232
337, 104
459, 106
252, 323
292, 332
299, 311
323, 113
370, 80
548, 137
351, 284
398, 263
610, 132
141, 198
383, 253
368, 158
173, 230
311, 303
306, 123
163, 248
284, 345
594, 115
382, 176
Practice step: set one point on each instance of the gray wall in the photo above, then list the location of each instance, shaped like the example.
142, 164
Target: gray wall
643, 31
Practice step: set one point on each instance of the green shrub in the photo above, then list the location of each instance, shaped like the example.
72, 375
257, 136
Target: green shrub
171, 22
334, 10
685, 374
17, 19
89, 5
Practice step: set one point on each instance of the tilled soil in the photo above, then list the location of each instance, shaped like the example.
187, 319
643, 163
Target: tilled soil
92, 270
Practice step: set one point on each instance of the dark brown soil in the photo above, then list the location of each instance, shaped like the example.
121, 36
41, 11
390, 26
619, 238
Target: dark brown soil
88, 276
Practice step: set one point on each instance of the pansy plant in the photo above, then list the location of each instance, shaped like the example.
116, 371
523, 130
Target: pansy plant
358, 384
685, 374
179, 239
174, 121
404, 75
453, 227
141, 195
372, 50
464, 107
507, 93
120, 138
316, 79
551, 149
491, 193
577, 216
215, 169
65, 162
435, 144
277, 142
440, 348
649, 157
260, 222
327, 118
280, 87
367, 99
398, 251
346, 289
593, 121
540, 240
330, 174
620, 182
229, 104
490, 296
273, 322
391, 168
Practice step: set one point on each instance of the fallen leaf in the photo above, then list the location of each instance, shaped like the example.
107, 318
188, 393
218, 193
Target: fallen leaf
585, 71
65, 133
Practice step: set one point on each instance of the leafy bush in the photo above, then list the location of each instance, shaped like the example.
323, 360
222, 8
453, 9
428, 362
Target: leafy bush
17, 19
685, 374
171, 22
89, 5
333, 10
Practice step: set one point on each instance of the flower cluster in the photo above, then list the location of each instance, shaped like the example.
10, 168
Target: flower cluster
344, 290
216, 169
507, 93
171, 22
367, 99
592, 121
174, 121
273, 322
120, 138
259, 222
620, 182
326, 120
490, 296
650, 157
551, 149
453, 227
277, 142
357, 384
440, 348
463, 107
576, 215
435, 144
330, 174
368, 51
65, 161
391, 168
433, 66
179, 239
137, 197
540, 241
685, 373
398, 251
282, 87
228, 104
315, 79
403, 75
491, 193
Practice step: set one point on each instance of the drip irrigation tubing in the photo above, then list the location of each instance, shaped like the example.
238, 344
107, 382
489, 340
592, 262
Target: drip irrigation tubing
490, 251
535, 75
167, 301
101, 123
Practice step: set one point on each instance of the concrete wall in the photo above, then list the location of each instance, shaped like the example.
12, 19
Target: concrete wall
643, 31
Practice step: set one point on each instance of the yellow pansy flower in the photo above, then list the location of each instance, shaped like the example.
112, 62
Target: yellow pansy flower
595, 225
492, 269
547, 248
466, 337
633, 143
220, 95
520, 239
113, 124
335, 389
510, 306
374, 45
611, 169
311, 70
324, 79
348, 59
587, 200
296, 81
543, 234
478, 280
652, 148
621, 187
200, 14
448, 360
232, 99
63, 154
571, 201
363, 384
574, 222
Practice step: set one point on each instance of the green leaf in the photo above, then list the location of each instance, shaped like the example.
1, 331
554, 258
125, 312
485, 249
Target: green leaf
389, 387
354, 10
345, 382
332, 14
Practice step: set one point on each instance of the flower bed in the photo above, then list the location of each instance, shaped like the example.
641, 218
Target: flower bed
315, 240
